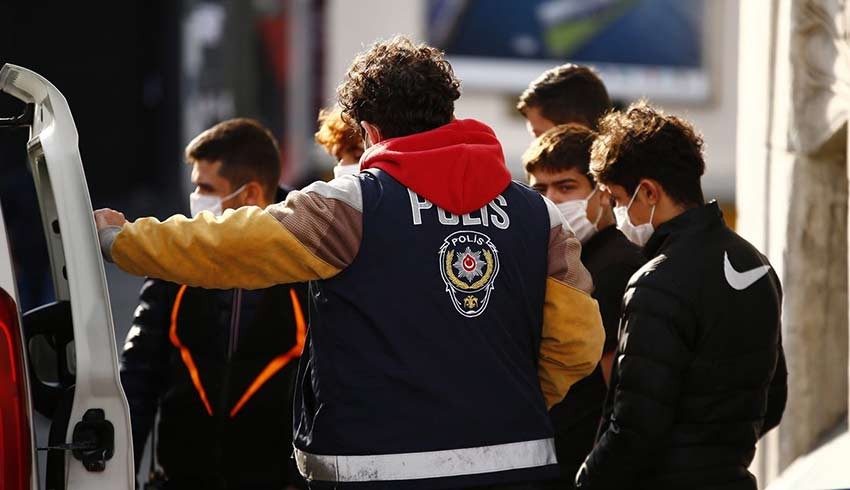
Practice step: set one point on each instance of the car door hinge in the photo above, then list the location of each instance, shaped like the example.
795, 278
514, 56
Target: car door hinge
96, 437
93, 441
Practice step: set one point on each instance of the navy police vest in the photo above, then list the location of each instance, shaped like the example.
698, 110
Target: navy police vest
420, 369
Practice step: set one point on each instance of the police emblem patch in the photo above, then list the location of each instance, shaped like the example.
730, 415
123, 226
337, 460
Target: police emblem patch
469, 263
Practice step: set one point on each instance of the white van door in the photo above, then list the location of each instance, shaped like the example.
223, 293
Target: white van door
92, 446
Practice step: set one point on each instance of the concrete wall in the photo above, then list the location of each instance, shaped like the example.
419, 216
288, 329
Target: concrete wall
792, 202
354, 25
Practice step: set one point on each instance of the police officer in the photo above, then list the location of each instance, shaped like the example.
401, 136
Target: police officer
450, 308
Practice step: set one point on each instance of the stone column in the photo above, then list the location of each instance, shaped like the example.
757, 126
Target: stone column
817, 308
794, 98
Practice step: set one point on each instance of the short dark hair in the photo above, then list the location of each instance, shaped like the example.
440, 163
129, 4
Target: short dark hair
247, 151
645, 143
567, 94
564, 147
401, 87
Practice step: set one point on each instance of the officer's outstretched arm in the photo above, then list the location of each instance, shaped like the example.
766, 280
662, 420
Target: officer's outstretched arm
314, 234
572, 326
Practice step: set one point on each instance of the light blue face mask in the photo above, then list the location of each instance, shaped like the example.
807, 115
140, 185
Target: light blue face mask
209, 202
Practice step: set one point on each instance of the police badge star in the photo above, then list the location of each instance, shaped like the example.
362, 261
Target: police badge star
469, 263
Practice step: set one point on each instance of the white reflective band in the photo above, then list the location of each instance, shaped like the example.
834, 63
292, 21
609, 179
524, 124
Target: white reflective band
430, 464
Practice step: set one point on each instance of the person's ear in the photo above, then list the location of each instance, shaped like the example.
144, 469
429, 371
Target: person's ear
253, 194
605, 198
373, 133
652, 190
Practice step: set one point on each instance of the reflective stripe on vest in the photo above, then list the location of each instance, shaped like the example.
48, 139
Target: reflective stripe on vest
430, 464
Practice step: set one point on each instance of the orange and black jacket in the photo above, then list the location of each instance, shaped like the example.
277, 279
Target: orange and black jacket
219, 365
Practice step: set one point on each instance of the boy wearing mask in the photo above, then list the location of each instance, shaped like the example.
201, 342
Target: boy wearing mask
219, 365
700, 372
557, 166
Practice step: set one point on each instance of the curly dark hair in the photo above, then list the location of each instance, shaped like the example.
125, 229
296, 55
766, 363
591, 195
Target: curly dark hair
567, 94
645, 143
564, 147
400, 87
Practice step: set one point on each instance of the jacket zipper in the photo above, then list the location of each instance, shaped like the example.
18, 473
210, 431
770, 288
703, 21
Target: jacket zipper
221, 412
235, 317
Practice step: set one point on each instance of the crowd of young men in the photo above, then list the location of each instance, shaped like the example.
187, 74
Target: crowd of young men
468, 331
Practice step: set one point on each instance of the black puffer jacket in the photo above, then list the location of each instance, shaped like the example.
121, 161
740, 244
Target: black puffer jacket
700, 373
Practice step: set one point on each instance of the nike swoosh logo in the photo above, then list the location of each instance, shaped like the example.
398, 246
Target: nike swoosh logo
742, 280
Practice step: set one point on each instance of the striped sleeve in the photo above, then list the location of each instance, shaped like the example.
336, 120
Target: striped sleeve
314, 234
573, 335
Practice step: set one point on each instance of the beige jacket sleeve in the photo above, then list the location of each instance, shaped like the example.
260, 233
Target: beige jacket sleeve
573, 335
314, 234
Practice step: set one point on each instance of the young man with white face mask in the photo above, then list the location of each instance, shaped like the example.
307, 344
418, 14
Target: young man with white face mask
219, 365
557, 166
700, 372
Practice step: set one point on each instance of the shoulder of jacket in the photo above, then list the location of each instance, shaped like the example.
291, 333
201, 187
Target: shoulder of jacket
662, 276
347, 189
522, 189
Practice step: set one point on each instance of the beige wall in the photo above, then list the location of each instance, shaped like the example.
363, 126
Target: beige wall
353, 25
792, 201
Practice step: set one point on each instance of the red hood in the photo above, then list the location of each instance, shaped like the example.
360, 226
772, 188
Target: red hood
459, 167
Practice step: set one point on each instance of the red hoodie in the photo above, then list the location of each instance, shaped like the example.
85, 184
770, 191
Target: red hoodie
459, 167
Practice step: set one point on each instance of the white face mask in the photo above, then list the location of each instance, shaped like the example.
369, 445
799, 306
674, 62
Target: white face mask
351, 169
637, 234
208, 202
575, 212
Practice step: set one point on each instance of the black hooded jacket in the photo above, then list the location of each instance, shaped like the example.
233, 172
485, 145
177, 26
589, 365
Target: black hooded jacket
219, 366
700, 372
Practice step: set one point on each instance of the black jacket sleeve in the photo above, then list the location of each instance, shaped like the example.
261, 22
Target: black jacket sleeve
651, 363
609, 287
777, 394
145, 358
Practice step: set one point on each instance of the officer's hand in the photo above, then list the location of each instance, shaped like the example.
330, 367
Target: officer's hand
104, 218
